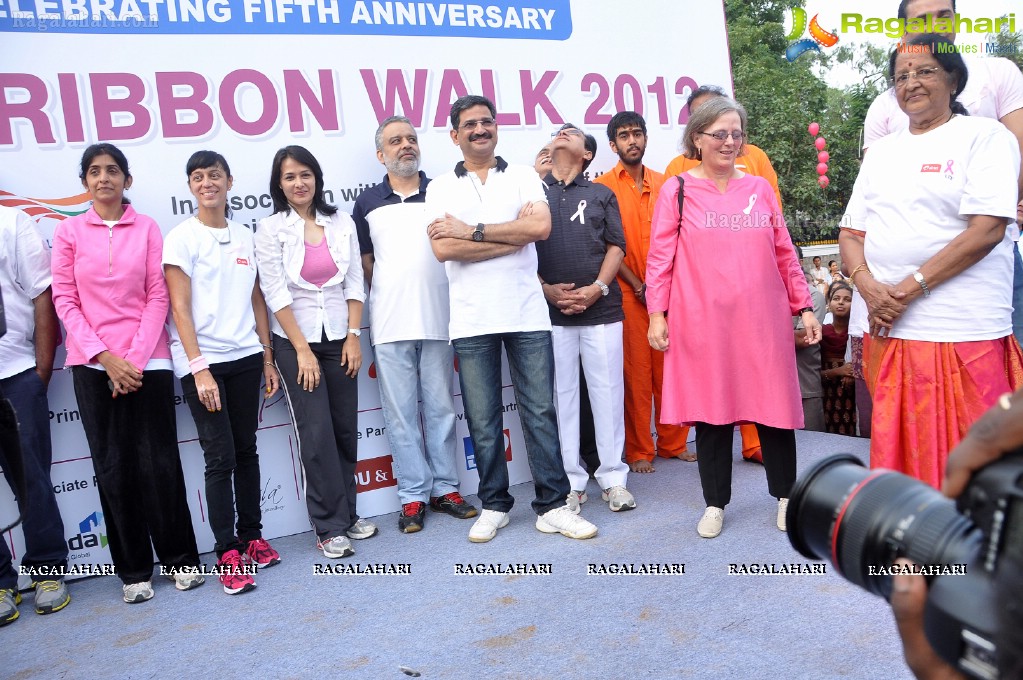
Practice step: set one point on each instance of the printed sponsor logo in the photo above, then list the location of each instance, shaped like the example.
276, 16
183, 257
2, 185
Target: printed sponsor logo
374, 473
470, 450
930, 167
42, 208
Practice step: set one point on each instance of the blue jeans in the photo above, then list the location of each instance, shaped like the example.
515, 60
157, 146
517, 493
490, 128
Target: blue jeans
531, 360
404, 369
1017, 294
45, 545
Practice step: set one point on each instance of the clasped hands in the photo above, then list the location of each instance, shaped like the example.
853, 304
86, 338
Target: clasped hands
885, 304
569, 299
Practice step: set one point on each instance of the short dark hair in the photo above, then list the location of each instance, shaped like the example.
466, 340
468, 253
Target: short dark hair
589, 143
110, 150
300, 155
837, 286
624, 119
905, 3
702, 90
950, 61
208, 159
467, 102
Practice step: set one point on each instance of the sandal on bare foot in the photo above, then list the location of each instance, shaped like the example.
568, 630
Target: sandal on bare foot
642, 466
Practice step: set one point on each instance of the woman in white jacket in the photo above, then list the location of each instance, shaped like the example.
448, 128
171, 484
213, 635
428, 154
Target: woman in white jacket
310, 271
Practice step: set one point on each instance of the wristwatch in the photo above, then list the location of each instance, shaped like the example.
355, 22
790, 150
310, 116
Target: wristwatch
477, 235
604, 290
355, 331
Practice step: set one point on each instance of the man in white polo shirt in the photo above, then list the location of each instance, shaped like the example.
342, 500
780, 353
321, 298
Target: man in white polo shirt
408, 323
26, 364
487, 216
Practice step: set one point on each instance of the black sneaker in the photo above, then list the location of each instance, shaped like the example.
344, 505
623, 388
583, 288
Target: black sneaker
412, 519
453, 504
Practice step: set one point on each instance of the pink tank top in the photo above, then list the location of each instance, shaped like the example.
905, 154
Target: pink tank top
318, 266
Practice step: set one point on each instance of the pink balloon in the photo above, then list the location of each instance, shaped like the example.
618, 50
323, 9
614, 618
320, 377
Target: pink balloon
823, 157
822, 168
823, 181
820, 143
813, 129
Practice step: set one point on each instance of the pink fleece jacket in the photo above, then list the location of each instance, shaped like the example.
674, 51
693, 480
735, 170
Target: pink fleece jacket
108, 288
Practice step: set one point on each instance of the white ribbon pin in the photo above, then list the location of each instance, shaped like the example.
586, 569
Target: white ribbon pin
579, 213
752, 200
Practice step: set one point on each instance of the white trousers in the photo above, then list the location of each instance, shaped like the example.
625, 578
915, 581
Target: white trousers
600, 347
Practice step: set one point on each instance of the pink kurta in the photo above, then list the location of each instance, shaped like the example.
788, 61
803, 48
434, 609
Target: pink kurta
731, 355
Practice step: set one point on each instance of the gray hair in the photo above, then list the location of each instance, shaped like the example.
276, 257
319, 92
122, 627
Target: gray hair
704, 117
379, 137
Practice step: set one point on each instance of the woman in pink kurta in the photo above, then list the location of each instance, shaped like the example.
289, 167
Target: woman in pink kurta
728, 351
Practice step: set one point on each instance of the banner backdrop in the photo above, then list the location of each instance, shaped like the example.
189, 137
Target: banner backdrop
164, 78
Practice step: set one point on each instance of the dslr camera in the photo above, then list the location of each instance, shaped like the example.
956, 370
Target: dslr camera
862, 520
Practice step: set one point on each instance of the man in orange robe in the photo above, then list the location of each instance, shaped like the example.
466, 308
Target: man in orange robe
636, 187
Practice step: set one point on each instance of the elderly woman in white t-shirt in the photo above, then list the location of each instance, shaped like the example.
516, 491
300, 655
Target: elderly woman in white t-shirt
924, 237
310, 270
220, 344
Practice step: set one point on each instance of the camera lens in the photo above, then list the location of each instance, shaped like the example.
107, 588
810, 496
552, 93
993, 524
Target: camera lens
861, 520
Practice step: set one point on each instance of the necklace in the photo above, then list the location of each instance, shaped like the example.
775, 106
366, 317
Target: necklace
215, 232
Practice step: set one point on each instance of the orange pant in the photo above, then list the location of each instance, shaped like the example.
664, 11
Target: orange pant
644, 369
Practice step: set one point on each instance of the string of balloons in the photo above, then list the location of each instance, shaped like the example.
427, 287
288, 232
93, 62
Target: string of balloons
820, 143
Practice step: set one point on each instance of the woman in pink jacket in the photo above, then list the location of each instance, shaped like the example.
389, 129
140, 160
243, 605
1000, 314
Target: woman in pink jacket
109, 291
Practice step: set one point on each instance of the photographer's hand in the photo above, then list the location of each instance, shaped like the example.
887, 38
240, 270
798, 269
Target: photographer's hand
909, 595
995, 433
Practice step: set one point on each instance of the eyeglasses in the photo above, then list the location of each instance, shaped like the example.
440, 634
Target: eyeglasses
575, 132
721, 135
921, 74
471, 124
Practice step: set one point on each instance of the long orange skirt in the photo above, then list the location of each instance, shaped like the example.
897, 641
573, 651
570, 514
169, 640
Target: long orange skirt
928, 394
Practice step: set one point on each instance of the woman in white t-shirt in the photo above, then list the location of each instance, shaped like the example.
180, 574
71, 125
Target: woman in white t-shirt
220, 344
928, 250
310, 270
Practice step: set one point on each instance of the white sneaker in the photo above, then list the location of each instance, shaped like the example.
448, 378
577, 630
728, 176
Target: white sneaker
138, 592
576, 499
362, 529
485, 528
618, 498
783, 506
565, 522
186, 578
336, 547
710, 523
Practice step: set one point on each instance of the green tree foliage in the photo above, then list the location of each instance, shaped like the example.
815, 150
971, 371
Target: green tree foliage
783, 97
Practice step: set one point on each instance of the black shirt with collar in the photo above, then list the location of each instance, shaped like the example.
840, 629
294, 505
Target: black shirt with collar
585, 220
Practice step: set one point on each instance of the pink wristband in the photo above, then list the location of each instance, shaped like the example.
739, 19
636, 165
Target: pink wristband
198, 364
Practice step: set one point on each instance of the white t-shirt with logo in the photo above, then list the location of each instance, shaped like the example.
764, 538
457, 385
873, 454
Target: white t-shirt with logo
994, 89
913, 195
222, 266
503, 294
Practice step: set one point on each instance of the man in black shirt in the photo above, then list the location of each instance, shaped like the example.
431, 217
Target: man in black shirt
577, 266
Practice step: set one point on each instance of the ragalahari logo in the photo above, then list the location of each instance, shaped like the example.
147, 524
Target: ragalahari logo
46, 208
820, 37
